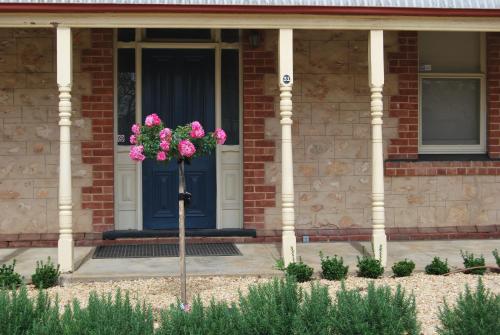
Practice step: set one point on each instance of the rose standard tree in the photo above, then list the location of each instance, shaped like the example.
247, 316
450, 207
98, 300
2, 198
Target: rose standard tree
155, 141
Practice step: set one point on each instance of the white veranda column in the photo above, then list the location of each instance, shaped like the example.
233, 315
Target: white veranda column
289, 245
376, 81
64, 82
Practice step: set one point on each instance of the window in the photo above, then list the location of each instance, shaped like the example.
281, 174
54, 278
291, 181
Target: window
452, 93
230, 92
126, 94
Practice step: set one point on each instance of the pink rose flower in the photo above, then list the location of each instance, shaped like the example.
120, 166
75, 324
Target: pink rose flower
196, 130
136, 153
160, 156
133, 139
165, 134
186, 148
165, 146
152, 120
220, 136
136, 129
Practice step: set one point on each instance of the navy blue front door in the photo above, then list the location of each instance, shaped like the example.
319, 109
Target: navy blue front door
178, 85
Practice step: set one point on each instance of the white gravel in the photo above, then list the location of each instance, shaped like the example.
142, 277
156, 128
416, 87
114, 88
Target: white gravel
161, 292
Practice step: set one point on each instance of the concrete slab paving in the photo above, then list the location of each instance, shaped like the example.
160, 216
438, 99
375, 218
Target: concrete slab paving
26, 258
256, 260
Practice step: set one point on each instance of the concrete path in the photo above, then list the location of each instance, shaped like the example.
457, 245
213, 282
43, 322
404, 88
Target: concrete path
256, 259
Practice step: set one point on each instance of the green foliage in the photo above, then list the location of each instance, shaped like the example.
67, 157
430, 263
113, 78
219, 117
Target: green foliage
9, 278
333, 268
377, 312
470, 261
46, 275
403, 268
270, 308
105, 315
279, 307
437, 267
300, 271
150, 139
497, 257
20, 315
475, 313
217, 318
313, 314
369, 267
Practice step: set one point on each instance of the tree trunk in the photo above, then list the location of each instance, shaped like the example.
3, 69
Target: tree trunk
182, 236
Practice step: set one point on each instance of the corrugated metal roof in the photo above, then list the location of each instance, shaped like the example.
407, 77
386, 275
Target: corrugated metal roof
449, 4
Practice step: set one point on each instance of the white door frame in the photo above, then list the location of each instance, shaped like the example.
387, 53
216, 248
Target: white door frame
139, 45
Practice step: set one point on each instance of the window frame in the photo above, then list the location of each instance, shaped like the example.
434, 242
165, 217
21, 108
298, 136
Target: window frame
480, 148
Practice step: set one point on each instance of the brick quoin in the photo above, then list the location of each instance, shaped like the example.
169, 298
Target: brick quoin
257, 150
493, 93
99, 151
404, 105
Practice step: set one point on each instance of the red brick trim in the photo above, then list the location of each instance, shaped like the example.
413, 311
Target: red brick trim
440, 168
315, 235
257, 150
493, 93
404, 106
98, 152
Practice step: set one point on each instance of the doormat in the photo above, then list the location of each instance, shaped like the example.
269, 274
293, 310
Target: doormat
165, 250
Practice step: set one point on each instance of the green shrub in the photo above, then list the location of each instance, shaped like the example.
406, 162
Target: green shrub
105, 315
475, 313
313, 313
9, 278
497, 257
217, 318
403, 268
377, 312
298, 270
369, 267
20, 314
437, 267
470, 261
270, 308
333, 268
46, 275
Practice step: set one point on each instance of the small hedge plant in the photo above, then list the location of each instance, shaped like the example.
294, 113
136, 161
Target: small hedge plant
9, 278
300, 271
475, 313
369, 267
470, 261
279, 307
46, 275
378, 312
22, 315
497, 257
437, 267
333, 268
403, 268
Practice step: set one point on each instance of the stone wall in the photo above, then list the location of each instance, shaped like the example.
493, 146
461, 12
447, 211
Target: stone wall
29, 137
332, 169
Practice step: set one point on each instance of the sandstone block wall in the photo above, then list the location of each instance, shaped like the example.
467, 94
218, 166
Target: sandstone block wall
29, 135
331, 135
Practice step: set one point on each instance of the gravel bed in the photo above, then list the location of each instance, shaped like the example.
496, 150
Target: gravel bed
161, 292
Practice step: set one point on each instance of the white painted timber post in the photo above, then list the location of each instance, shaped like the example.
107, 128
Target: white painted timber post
289, 245
376, 81
64, 82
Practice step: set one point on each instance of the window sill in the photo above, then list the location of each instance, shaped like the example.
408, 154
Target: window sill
444, 165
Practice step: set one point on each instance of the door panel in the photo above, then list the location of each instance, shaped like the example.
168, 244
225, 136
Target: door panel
178, 85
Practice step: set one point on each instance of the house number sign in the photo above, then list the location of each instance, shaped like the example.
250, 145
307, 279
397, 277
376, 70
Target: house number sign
286, 79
